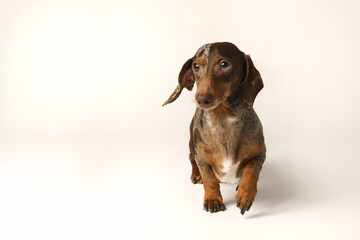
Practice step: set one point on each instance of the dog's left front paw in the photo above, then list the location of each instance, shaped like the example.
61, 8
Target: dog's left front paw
244, 200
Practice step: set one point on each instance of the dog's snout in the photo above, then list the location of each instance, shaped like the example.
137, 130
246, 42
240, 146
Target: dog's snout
204, 100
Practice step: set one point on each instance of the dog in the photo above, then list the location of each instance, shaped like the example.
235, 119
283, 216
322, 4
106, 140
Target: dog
226, 136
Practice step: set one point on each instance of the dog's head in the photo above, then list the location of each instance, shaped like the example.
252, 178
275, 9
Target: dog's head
222, 73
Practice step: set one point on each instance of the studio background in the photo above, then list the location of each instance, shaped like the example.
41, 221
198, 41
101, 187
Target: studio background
87, 151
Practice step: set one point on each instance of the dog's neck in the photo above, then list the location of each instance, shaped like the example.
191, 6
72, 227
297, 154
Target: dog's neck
224, 112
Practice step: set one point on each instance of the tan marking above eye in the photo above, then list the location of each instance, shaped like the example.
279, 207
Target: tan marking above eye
200, 61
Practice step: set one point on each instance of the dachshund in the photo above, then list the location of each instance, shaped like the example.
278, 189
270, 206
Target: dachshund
226, 136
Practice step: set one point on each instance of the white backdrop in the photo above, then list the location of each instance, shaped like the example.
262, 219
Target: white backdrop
87, 151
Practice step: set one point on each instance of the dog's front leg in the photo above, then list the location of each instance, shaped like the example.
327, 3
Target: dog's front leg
213, 201
247, 187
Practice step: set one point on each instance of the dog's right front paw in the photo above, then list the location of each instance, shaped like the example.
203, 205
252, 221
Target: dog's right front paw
214, 205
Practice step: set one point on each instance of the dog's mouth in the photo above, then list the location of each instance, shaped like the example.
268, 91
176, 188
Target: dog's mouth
208, 107
211, 105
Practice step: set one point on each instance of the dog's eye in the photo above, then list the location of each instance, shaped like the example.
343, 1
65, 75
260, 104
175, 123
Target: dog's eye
196, 67
224, 65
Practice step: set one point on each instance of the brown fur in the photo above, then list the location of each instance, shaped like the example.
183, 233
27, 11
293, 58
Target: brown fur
225, 130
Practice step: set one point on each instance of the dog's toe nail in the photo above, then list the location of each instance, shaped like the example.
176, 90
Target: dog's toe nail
206, 207
249, 207
211, 210
238, 204
215, 209
242, 211
222, 207
237, 188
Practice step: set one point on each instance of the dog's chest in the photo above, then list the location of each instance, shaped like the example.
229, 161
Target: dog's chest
221, 143
220, 136
228, 172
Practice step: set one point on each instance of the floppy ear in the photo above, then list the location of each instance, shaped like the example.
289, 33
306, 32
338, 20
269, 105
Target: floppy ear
186, 79
251, 85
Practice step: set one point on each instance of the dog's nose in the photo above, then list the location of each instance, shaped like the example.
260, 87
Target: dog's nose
204, 99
